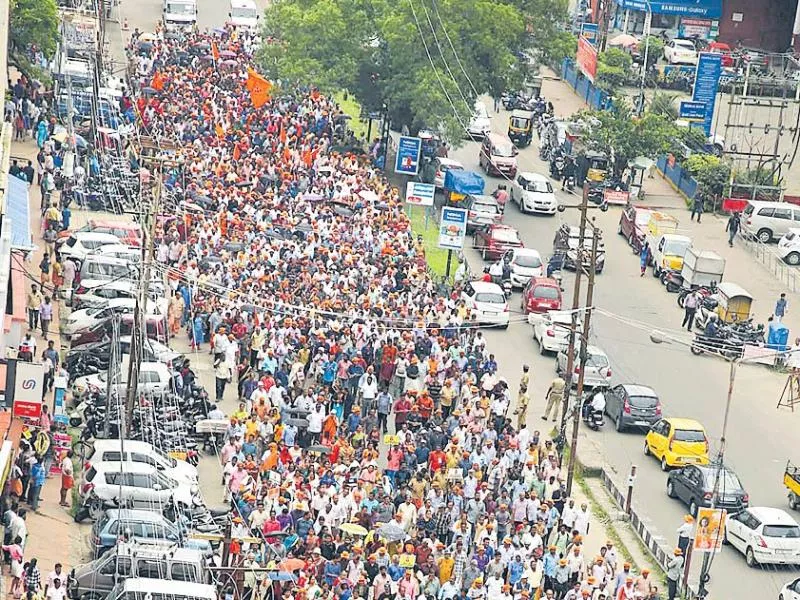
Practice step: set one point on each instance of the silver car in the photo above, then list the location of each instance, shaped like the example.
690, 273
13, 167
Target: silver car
482, 210
597, 371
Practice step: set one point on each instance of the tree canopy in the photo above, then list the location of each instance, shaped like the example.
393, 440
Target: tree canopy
34, 22
424, 59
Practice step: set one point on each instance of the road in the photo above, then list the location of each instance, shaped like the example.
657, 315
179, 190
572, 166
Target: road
759, 440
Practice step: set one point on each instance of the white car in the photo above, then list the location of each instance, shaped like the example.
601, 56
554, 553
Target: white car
81, 243
129, 253
135, 451
791, 591
765, 536
525, 263
487, 301
789, 246
86, 318
98, 293
533, 193
153, 377
480, 124
551, 330
597, 371
443, 165
137, 484
680, 51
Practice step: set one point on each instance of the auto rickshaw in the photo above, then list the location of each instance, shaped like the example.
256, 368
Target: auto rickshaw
592, 166
520, 127
734, 302
791, 479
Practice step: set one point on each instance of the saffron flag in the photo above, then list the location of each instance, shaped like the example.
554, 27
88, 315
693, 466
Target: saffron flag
219, 131
157, 82
259, 88
214, 50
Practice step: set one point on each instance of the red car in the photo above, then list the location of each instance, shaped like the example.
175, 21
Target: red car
725, 50
492, 241
633, 225
540, 295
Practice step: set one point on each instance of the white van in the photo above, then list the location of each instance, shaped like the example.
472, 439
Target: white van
243, 14
769, 221
160, 589
179, 15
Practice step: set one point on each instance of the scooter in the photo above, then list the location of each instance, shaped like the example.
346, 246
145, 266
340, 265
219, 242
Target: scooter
594, 419
673, 280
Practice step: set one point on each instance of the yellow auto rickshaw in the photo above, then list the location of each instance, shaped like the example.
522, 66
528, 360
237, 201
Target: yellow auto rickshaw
734, 302
594, 166
520, 127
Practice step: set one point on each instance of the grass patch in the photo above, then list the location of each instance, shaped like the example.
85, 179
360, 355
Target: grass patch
435, 256
351, 107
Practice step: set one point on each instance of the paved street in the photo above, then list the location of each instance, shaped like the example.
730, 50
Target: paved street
760, 438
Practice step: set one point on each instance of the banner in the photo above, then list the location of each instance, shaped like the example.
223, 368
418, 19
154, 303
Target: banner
28, 389
586, 59
710, 530
706, 82
409, 151
420, 194
452, 228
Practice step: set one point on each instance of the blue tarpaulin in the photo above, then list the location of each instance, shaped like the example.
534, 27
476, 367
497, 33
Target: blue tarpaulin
710, 9
463, 182
18, 211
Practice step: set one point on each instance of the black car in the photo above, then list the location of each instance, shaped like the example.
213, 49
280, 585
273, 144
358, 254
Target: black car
633, 405
694, 485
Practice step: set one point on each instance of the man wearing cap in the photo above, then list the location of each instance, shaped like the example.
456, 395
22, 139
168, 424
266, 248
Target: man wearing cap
642, 583
685, 532
674, 572
554, 398
619, 581
627, 590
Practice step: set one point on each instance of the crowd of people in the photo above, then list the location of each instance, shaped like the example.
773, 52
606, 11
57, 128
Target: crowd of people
374, 443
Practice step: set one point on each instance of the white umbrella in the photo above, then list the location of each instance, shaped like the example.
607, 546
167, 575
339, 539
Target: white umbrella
624, 40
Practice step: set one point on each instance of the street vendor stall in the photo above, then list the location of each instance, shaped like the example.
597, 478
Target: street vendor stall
457, 184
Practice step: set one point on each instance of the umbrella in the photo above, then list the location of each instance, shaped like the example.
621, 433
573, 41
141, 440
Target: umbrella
281, 576
392, 532
219, 30
624, 40
319, 448
207, 57
292, 564
353, 529
228, 54
149, 90
301, 423
147, 37
311, 197
368, 195
229, 63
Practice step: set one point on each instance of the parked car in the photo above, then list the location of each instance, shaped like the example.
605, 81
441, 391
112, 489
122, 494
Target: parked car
677, 442
79, 244
442, 165
98, 292
155, 325
127, 233
533, 193
680, 51
159, 589
694, 486
567, 240
789, 246
790, 591
769, 220
633, 225
87, 318
551, 331
540, 295
153, 377
725, 50
153, 351
596, 372
133, 484
492, 241
145, 527
106, 268
134, 451
525, 263
766, 536
132, 254
487, 301
482, 210
633, 405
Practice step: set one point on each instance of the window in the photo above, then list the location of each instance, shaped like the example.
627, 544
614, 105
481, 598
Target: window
643, 401
782, 531
490, 298
783, 213
124, 566
545, 292
689, 435
184, 572
142, 481
151, 568
766, 212
143, 458
90, 474
113, 529
506, 235
112, 456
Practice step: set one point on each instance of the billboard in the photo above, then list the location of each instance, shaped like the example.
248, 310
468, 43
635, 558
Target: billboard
586, 58
28, 389
452, 228
706, 82
409, 151
710, 530
420, 194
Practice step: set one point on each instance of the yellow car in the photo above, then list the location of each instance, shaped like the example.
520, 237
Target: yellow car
677, 442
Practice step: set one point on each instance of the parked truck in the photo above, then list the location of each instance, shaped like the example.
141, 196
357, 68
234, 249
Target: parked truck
702, 268
667, 248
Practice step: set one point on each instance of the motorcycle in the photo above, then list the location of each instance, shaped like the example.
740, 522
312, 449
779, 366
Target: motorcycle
705, 309
724, 344
557, 166
594, 419
672, 279
704, 291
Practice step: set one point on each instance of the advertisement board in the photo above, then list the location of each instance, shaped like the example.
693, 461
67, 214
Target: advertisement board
452, 228
710, 530
692, 110
409, 151
420, 194
706, 82
586, 59
711, 9
589, 31
28, 382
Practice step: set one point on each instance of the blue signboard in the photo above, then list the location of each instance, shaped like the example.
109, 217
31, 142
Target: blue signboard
692, 110
409, 150
589, 31
711, 9
452, 228
706, 82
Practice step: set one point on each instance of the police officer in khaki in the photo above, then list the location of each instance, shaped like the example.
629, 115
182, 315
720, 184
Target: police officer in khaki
554, 398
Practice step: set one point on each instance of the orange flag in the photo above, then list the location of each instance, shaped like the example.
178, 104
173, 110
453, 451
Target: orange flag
282, 134
219, 131
214, 50
237, 152
259, 88
157, 82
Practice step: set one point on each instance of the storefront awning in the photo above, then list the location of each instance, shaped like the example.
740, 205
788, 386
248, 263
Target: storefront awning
710, 9
18, 211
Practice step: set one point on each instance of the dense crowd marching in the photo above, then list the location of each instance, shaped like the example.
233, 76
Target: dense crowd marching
374, 443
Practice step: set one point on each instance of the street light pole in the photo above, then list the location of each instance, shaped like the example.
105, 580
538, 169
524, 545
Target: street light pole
648, 19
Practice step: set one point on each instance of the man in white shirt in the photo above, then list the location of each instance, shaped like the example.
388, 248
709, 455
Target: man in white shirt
315, 419
582, 520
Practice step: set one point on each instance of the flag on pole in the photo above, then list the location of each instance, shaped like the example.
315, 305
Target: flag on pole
157, 82
214, 50
218, 129
259, 87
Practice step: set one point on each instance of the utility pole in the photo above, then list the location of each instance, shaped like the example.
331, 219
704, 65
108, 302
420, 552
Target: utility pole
139, 332
576, 417
112, 374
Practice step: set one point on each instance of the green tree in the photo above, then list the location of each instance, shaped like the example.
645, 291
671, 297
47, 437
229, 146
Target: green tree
412, 55
547, 23
655, 49
712, 176
34, 22
613, 69
561, 45
663, 103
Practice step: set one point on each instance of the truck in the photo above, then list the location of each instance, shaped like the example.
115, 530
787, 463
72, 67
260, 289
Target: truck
179, 15
244, 14
702, 268
667, 248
